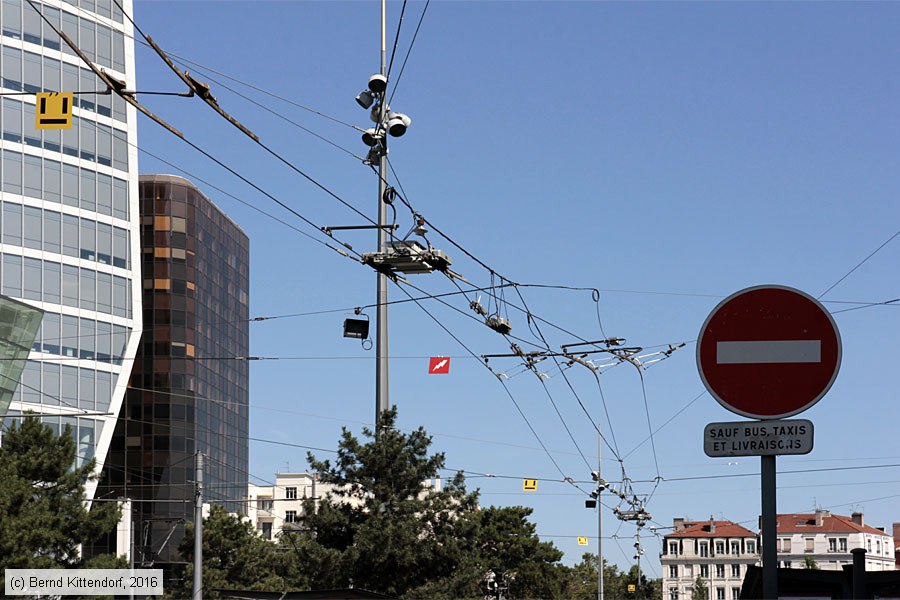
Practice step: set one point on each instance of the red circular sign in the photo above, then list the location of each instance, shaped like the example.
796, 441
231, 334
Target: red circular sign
768, 352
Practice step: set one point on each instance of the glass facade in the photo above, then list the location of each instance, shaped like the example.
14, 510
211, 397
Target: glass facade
69, 226
19, 325
189, 389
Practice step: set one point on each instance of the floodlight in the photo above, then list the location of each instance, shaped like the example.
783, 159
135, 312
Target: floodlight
356, 328
377, 83
397, 123
370, 137
365, 99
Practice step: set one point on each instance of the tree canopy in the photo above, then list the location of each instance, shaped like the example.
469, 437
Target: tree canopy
386, 527
43, 514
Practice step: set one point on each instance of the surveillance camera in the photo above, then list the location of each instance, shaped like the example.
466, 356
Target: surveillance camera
397, 123
365, 98
377, 83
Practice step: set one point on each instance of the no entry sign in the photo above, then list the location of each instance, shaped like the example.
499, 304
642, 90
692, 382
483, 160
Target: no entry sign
768, 352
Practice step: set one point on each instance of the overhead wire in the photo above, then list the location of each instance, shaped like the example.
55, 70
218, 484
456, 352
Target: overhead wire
409, 50
105, 79
205, 95
860, 263
502, 383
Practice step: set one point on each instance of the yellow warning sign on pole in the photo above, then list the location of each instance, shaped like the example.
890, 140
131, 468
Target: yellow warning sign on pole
582, 540
529, 485
54, 110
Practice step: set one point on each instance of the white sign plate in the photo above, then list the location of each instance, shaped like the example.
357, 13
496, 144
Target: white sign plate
758, 438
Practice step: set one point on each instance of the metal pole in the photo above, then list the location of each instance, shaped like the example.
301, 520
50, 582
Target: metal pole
769, 528
638, 589
599, 519
198, 529
382, 400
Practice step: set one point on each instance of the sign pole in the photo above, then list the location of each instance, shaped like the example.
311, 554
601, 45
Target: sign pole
769, 527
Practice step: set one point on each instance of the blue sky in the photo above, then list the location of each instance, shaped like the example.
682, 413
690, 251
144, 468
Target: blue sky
667, 154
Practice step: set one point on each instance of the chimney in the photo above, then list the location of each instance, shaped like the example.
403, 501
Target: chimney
679, 523
857, 518
897, 532
820, 516
712, 524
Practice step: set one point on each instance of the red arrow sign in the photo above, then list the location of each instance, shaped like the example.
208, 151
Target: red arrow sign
768, 352
439, 365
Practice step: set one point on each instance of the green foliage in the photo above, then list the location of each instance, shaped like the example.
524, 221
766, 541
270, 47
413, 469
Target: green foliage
385, 531
810, 563
43, 516
234, 557
699, 590
582, 582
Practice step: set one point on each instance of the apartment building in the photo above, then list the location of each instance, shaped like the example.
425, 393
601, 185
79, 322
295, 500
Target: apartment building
718, 552
828, 539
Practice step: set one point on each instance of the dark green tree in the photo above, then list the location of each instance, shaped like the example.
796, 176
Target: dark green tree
699, 590
234, 557
582, 579
384, 530
43, 516
810, 563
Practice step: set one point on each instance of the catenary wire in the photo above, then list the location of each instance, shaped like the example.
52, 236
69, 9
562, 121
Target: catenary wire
164, 56
860, 263
409, 50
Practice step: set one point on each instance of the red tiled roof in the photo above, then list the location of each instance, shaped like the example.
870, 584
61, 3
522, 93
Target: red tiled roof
806, 523
701, 529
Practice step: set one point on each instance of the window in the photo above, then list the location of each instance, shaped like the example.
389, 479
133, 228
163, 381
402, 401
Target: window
832, 544
808, 546
751, 546
784, 545
673, 593
290, 493
720, 593
720, 571
704, 549
735, 593
290, 516
720, 548
704, 571
264, 504
673, 548
735, 570
843, 542
877, 542
869, 545
673, 571
266, 530
735, 548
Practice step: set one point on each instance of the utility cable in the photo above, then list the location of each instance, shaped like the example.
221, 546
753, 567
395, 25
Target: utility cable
672, 418
871, 254
396, 39
409, 50
502, 383
118, 88
203, 92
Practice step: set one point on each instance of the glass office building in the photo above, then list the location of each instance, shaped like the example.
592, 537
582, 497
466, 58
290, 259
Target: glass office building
69, 226
190, 385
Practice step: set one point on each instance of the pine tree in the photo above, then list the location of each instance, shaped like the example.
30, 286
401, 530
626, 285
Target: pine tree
43, 514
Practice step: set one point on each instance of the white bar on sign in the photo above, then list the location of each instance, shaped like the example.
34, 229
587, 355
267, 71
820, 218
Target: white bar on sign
774, 351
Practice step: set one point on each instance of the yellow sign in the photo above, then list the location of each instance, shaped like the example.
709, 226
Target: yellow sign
529, 485
632, 587
582, 540
54, 110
